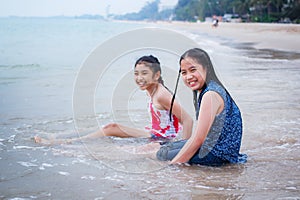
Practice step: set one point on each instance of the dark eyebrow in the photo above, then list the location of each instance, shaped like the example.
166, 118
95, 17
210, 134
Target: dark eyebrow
144, 70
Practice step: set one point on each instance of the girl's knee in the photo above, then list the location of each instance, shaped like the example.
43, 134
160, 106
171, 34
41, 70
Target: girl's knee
169, 150
162, 153
110, 129
110, 126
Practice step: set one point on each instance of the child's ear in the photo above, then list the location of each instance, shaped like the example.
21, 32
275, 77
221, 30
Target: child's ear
157, 75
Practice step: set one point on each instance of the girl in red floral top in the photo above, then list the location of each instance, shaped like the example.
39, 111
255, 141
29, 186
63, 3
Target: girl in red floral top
147, 75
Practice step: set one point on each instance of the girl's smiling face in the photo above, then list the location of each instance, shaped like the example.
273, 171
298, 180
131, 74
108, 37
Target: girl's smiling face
144, 76
193, 73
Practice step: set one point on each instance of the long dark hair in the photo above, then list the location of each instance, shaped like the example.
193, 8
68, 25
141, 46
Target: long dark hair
201, 57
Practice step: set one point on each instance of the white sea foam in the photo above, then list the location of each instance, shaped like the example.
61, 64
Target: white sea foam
64, 173
47, 165
86, 177
27, 164
202, 186
11, 138
42, 167
26, 147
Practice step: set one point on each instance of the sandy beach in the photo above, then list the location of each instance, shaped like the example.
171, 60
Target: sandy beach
282, 37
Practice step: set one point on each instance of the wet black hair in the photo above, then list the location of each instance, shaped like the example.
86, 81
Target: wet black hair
151, 62
201, 57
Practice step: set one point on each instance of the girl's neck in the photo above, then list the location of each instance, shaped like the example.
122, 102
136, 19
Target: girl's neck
152, 90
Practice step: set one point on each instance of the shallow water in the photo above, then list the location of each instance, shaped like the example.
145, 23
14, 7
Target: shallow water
36, 99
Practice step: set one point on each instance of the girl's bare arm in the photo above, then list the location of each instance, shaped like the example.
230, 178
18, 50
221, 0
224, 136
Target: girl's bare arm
211, 105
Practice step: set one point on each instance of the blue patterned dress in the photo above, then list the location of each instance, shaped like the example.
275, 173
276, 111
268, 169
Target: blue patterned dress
223, 141
224, 137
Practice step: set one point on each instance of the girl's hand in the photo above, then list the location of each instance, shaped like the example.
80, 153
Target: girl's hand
170, 162
178, 164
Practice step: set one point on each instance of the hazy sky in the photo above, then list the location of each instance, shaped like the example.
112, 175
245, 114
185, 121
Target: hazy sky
72, 7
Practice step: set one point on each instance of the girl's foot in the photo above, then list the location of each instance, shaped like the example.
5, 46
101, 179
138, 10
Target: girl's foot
40, 140
43, 141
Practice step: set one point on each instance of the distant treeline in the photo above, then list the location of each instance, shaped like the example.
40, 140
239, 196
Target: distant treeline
247, 10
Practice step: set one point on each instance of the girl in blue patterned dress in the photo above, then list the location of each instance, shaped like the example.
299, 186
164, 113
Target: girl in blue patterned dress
216, 139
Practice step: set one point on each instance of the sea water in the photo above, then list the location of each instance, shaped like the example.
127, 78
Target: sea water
39, 61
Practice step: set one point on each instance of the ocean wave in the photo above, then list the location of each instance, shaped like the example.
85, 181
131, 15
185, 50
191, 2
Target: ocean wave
11, 74
22, 66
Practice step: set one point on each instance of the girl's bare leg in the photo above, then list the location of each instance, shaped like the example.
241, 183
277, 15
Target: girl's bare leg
108, 130
119, 130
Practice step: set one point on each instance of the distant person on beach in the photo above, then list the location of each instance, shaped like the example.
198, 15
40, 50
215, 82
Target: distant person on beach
147, 75
215, 22
216, 139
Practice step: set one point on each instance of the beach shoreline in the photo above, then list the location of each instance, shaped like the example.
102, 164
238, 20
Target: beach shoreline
280, 37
